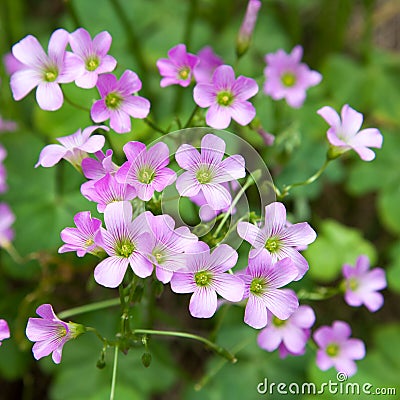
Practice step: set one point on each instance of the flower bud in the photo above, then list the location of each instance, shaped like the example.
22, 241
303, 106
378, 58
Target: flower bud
146, 359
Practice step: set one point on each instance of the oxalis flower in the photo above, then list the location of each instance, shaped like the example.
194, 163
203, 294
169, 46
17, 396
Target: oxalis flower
337, 349
208, 62
73, 148
93, 55
177, 69
288, 78
118, 102
205, 276
289, 336
7, 218
167, 245
125, 242
361, 285
278, 238
50, 333
4, 330
43, 71
81, 238
226, 98
345, 134
263, 279
146, 170
206, 171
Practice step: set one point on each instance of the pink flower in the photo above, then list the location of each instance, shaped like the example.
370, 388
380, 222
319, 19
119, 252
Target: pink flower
7, 218
345, 134
43, 71
93, 54
337, 349
50, 333
263, 280
362, 285
289, 336
205, 276
11, 64
288, 78
208, 62
118, 102
73, 148
206, 171
7, 125
177, 69
226, 98
4, 330
146, 170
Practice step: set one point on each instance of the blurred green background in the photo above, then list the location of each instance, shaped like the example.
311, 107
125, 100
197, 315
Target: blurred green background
354, 207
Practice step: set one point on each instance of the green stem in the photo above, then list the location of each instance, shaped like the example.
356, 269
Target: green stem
114, 374
321, 293
250, 181
88, 308
73, 104
191, 116
219, 350
311, 179
152, 125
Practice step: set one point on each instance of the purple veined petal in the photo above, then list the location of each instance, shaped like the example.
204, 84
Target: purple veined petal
203, 303
323, 361
183, 282
46, 311
345, 365
300, 234
163, 275
212, 149
365, 153
251, 233
232, 168
223, 77
260, 264
296, 97
129, 83
57, 353
223, 256
145, 191
110, 272
120, 121
351, 120
304, 317
73, 67
204, 95
269, 338
218, 117
80, 42
133, 149
102, 43
330, 116
187, 156
107, 64
354, 349
255, 313
88, 80
167, 81
39, 329
84, 136
370, 137
298, 260
136, 106
30, 52
117, 217
49, 96
44, 348
187, 185
242, 112
93, 144
86, 223
4, 330
106, 83
57, 44
281, 273
228, 286
11, 64
341, 329
334, 139
166, 67
216, 195
177, 53
191, 61
295, 339
140, 265
281, 302
164, 178
244, 88
23, 81
275, 218
51, 155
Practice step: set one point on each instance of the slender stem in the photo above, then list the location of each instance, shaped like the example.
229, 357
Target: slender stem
311, 179
89, 307
219, 350
73, 104
152, 125
191, 116
321, 293
248, 183
12, 251
114, 374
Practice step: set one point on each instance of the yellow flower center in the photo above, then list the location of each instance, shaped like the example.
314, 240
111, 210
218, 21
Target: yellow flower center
225, 98
288, 79
332, 350
203, 278
92, 63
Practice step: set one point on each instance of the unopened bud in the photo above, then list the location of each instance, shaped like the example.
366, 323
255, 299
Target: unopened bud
146, 359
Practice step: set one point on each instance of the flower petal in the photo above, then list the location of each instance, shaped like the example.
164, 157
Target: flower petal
49, 96
203, 303
228, 286
255, 313
110, 272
